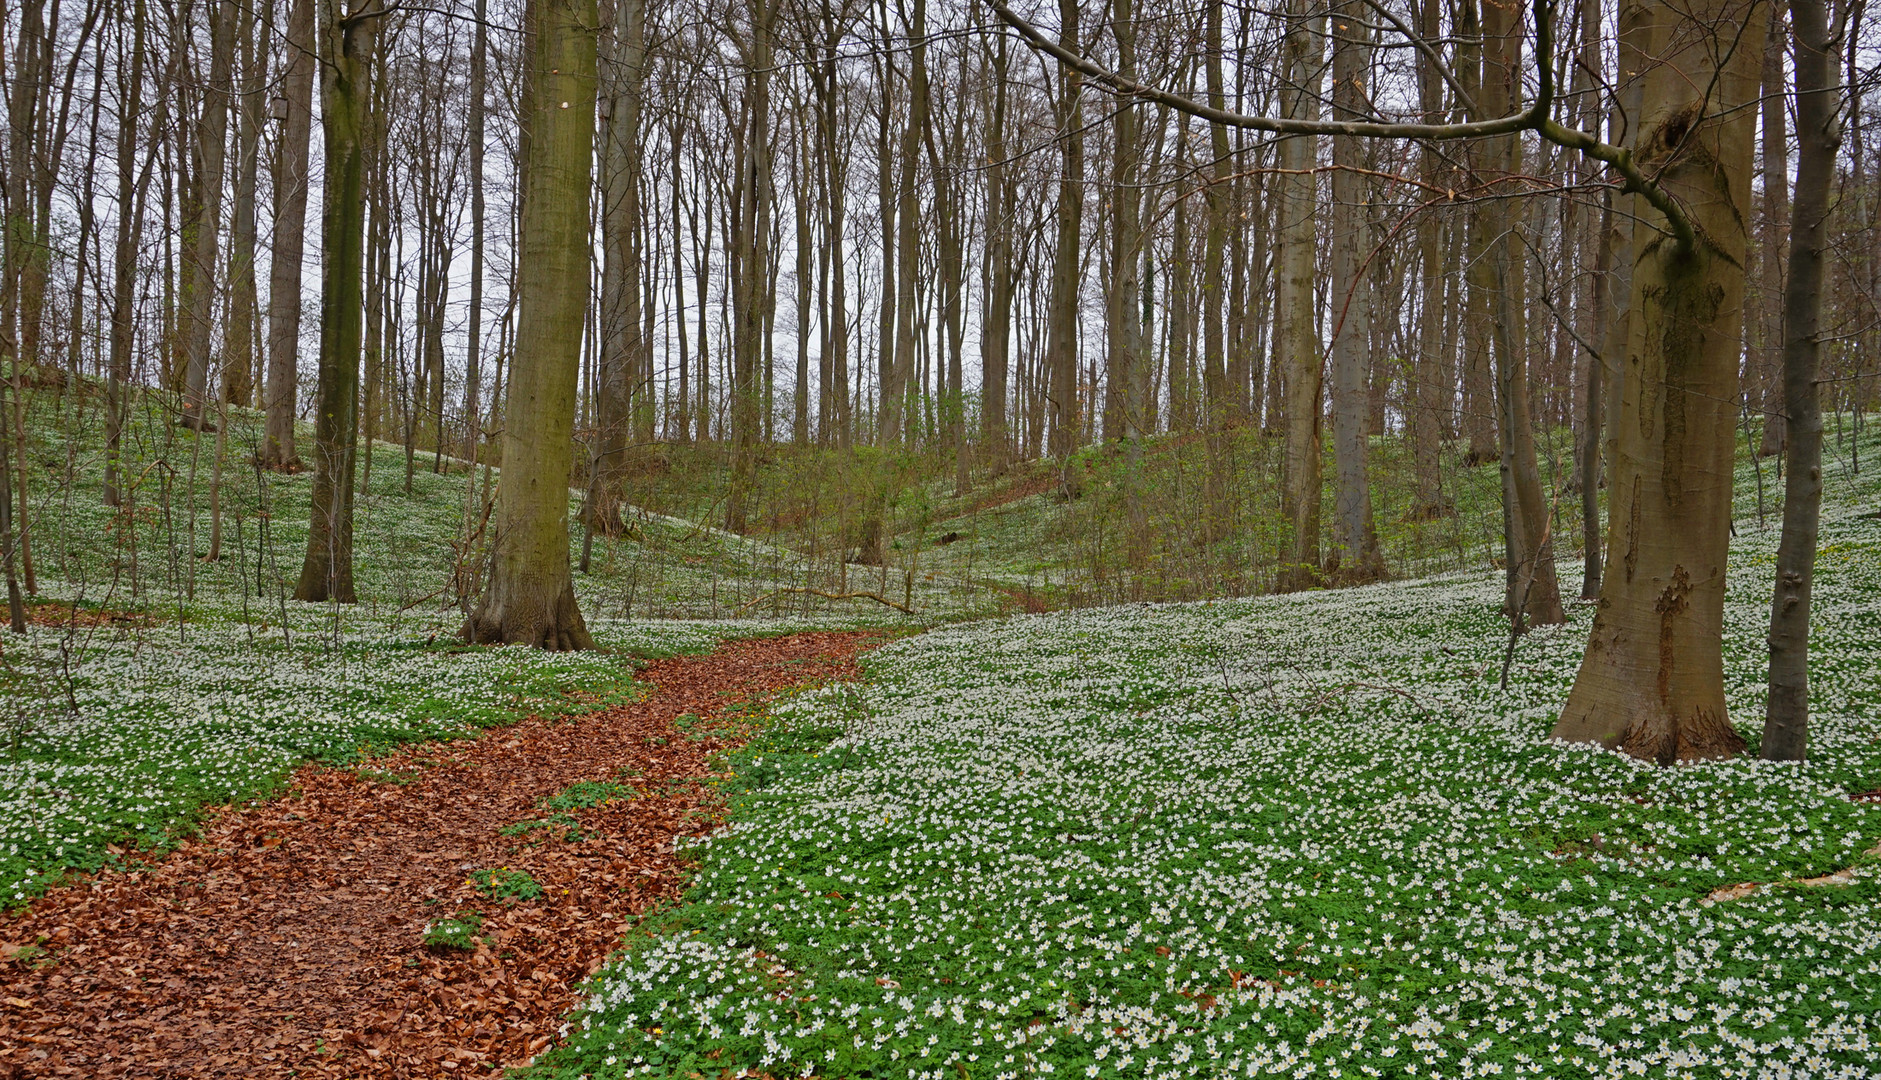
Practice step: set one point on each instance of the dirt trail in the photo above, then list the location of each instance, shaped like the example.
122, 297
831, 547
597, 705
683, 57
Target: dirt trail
286, 939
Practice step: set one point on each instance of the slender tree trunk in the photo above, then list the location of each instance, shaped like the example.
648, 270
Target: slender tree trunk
622, 350
1818, 136
1298, 334
473, 316
1061, 349
238, 362
132, 185
996, 311
204, 226
531, 593
347, 45
1533, 593
290, 222
1355, 557
1652, 680
751, 271
836, 186
1773, 342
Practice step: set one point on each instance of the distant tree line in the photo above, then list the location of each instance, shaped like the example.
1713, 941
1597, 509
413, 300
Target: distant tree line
551, 234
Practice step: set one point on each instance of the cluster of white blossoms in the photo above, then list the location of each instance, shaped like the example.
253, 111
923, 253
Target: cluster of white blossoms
1303, 835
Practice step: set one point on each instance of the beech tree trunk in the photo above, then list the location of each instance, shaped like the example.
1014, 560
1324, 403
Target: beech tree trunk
1061, 348
279, 398
132, 186
996, 312
530, 598
1298, 335
751, 273
1651, 682
347, 43
1818, 136
1355, 557
1534, 594
1773, 343
205, 222
622, 349
1429, 393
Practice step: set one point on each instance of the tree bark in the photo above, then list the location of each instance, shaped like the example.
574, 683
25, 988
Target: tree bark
1355, 557
347, 44
1533, 591
622, 350
1428, 392
1773, 342
530, 598
1061, 348
1651, 682
290, 223
752, 279
238, 361
205, 223
996, 311
132, 187
1298, 334
1818, 136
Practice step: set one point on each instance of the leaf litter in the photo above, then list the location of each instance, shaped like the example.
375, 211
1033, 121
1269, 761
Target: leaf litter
288, 937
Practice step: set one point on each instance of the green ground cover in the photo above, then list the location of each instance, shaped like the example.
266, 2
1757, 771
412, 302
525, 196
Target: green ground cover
1301, 835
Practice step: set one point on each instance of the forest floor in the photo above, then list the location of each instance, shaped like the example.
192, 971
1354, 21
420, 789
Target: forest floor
1292, 834
289, 938
1310, 834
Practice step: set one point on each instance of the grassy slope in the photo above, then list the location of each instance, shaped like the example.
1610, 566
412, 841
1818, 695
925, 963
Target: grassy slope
1282, 835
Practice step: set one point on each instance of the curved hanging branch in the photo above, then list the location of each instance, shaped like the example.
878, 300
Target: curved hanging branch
1535, 118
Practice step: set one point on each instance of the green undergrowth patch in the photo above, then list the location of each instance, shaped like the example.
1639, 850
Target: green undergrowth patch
586, 794
504, 883
567, 826
457, 933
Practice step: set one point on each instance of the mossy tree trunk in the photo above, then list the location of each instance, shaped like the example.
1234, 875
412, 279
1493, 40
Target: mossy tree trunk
1652, 680
346, 46
531, 596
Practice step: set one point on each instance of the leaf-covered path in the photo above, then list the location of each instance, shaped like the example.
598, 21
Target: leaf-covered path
286, 938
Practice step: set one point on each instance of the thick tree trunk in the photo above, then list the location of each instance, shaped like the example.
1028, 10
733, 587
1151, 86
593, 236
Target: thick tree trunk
347, 47
1652, 680
1298, 334
1355, 557
1818, 135
290, 222
530, 598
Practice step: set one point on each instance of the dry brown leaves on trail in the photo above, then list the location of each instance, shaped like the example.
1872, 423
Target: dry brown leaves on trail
287, 938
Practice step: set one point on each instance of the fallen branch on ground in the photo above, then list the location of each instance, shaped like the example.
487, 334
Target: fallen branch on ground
877, 597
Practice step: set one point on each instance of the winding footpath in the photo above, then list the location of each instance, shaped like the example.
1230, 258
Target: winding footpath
286, 938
